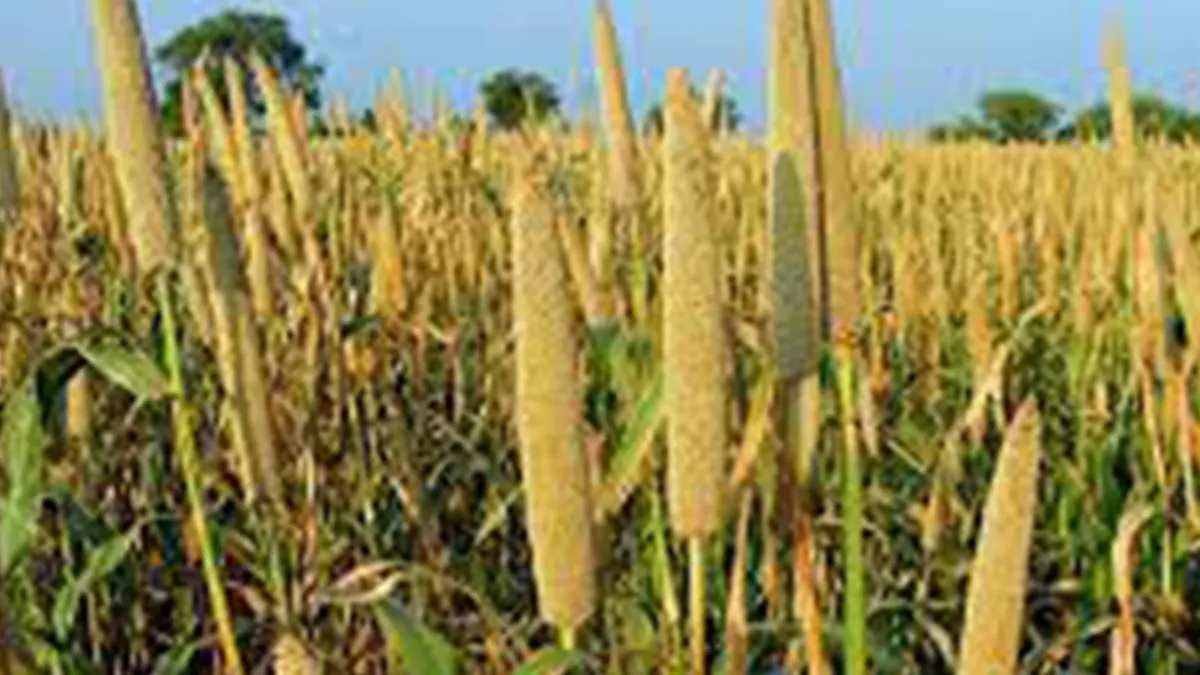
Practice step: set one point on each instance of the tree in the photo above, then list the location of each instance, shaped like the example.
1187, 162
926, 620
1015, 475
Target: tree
1018, 116
727, 115
1005, 116
965, 128
1153, 117
513, 97
236, 34
368, 121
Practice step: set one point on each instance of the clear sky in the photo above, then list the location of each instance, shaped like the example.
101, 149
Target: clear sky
906, 63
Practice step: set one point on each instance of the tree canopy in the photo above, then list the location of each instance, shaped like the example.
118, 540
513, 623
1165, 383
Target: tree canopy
1018, 116
1005, 116
237, 34
513, 97
1153, 117
965, 128
1013, 115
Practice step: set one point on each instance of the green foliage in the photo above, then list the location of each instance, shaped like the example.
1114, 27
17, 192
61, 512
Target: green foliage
177, 660
413, 648
23, 430
965, 128
130, 370
1154, 118
513, 97
23, 441
1016, 116
550, 661
236, 34
629, 463
368, 121
100, 563
1004, 116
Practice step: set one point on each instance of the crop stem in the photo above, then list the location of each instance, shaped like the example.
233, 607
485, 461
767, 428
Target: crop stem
182, 427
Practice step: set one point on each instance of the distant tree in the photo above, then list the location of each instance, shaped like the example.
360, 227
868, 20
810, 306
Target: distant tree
236, 34
1153, 116
1017, 116
1005, 116
965, 128
513, 97
728, 115
367, 120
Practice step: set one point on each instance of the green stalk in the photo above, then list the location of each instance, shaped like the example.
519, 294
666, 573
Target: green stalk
662, 559
696, 605
568, 639
854, 610
185, 446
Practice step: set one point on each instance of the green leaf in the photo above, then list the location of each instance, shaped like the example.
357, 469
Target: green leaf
23, 442
359, 326
552, 660
633, 451
23, 436
177, 660
100, 563
132, 370
414, 648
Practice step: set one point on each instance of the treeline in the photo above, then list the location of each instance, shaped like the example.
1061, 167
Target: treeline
511, 97
1018, 116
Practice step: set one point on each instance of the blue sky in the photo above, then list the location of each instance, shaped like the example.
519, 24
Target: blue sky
906, 63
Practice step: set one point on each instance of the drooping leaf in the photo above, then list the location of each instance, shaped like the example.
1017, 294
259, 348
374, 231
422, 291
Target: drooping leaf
23, 433
132, 370
633, 450
413, 648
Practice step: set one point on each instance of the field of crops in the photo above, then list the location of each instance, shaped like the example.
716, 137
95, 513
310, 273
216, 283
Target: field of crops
431, 398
